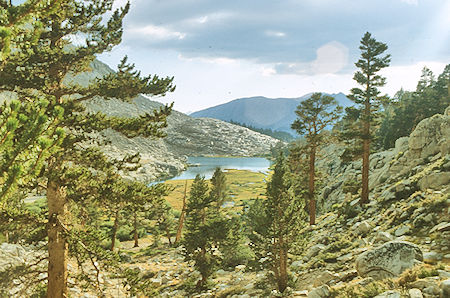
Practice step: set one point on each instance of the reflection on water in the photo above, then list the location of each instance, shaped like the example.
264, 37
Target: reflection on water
205, 166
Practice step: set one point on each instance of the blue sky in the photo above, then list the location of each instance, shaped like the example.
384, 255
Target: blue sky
221, 50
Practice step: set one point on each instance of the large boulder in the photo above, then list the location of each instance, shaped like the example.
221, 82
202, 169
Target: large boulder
430, 137
388, 260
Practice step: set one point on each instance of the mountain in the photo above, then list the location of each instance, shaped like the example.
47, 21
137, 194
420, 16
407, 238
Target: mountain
262, 112
186, 136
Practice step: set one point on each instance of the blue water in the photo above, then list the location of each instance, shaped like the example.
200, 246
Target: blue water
205, 166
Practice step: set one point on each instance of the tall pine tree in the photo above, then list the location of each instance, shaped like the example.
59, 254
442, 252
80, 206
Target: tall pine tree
38, 68
368, 96
313, 116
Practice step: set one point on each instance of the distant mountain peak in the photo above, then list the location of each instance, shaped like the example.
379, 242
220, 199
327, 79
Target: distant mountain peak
262, 112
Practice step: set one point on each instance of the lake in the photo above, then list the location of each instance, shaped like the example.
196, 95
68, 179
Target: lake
205, 166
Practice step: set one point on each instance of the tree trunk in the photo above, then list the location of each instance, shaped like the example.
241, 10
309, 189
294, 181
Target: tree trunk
366, 153
181, 220
135, 232
312, 200
282, 281
114, 230
57, 245
168, 236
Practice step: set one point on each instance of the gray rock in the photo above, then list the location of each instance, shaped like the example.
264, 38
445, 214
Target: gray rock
415, 293
389, 294
432, 257
432, 290
434, 181
422, 283
299, 294
383, 237
314, 250
403, 230
361, 228
324, 278
388, 260
426, 138
320, 292
443, 274
445, 287
297, 264
443, 226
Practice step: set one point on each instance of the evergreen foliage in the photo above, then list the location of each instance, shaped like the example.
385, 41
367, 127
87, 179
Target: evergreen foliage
313, 116
206, 229
409, 108
277, 134
368, 97
275, 223
36, 71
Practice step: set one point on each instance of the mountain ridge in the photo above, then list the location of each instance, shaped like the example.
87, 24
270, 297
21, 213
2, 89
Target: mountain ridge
262, 112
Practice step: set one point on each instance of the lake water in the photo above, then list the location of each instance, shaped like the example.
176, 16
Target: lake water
205, 166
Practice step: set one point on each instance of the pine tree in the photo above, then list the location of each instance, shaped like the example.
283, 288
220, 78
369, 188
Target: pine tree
37, 69
410, 107
219, 187
313, 116
28, 125
276, 222
368, 96
205, 230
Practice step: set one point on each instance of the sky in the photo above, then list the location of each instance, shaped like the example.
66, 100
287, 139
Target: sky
222, 50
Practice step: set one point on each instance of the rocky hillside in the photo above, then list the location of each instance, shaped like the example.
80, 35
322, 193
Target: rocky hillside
396, 246
186, 136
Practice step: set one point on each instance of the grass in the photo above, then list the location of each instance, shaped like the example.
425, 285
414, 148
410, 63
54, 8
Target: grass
242, 186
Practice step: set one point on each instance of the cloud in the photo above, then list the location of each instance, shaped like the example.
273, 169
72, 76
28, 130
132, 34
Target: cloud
287, 32
155, 32
331, 58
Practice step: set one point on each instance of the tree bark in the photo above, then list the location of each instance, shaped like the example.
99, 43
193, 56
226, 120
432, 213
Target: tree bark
57, 244
135, 232
282, 281
312, 200
114, 230
366, 153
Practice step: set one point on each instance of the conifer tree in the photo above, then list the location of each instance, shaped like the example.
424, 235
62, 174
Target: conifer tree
313, 116
368, 96
28, 125
219, 187
276, 222
38, 68
431, 97
205, 230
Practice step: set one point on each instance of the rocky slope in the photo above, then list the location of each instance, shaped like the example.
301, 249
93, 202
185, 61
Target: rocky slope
396, 246
186, 136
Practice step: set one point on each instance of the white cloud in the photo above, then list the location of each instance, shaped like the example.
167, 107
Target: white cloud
407, 76
330, 58
208, 18
156, 32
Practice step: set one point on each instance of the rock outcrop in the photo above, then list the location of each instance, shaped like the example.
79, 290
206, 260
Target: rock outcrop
388, 260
